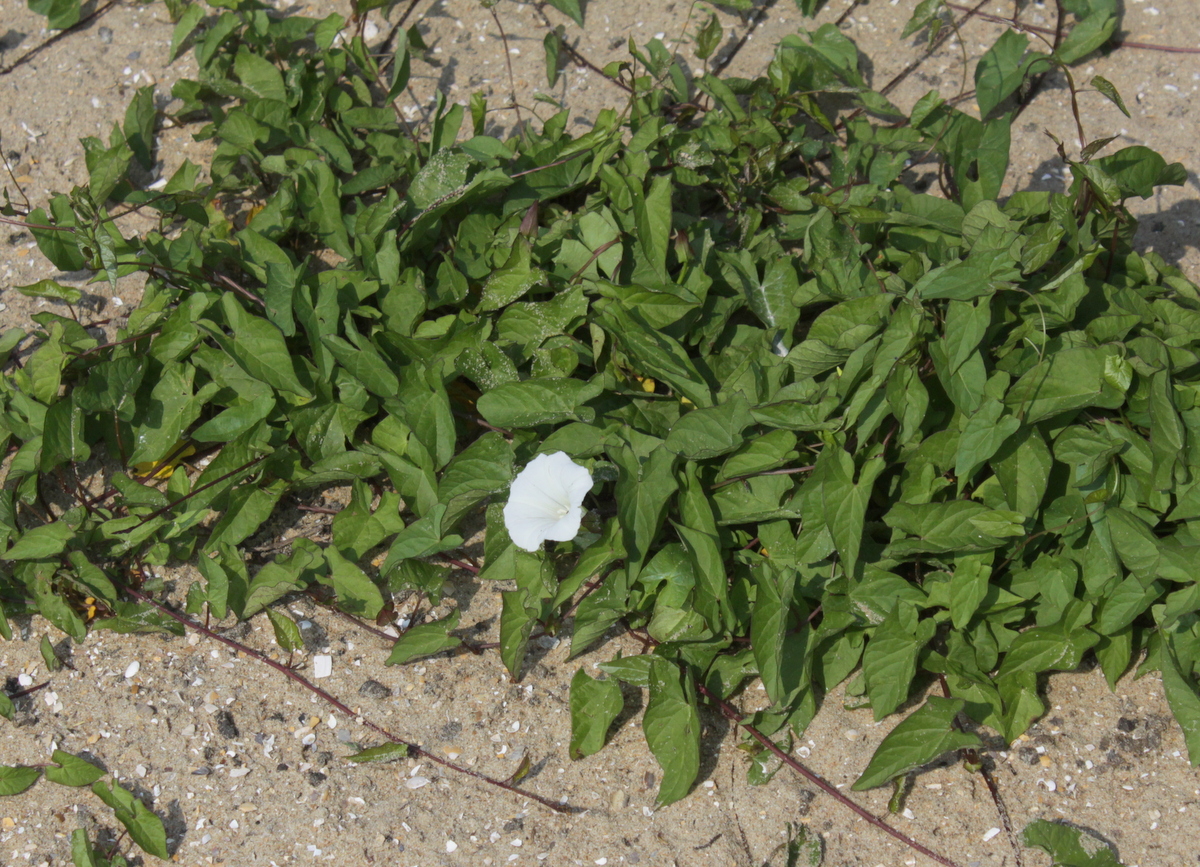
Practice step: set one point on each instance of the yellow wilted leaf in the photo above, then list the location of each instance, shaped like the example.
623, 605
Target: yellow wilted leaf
161, 470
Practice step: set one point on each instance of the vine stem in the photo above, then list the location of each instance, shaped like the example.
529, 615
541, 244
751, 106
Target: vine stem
413, 750
1050, 31
734, 715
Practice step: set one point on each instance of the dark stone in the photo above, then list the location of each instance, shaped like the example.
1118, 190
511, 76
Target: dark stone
225, 724
450, 730
201, 772
315, 778
374, 689
1126, 724
106, 35
282, 766
314, 635
1028, 755
134, 55
514, 825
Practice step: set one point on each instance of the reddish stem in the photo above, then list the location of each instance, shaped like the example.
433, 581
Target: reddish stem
413, 750
733, 715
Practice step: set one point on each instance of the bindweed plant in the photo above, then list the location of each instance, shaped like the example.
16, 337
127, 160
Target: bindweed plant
838, 430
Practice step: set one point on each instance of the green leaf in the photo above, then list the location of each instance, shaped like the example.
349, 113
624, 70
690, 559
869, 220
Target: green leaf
549, 400
259, 75
1047, 648
708, 37
1184, 698
258, 347
1001, 71
61, 14
185, 26
657, 355
890, 660
82, 854
697, 529
356, 593
710, 431
72, 770
6, 706
594, 706
570, 8
643, 490
671, 725
53, 663
107, 167
383, 753
287, 633
1107, 88
921, 737
846, 501
231, 423
483, 468
319, 192
513, 280
1068, 845
1098, 21
968, 587
145, 828
41, 542
425, 640
518, 614
1138, 170
275, 580
51, 289
779, 650
140, 118
551, 44
14, 780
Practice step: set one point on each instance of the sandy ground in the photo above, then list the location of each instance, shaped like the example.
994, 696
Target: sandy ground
220, 744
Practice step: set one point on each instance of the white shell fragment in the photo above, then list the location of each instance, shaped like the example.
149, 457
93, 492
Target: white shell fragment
132, 669
322, 665
545, 501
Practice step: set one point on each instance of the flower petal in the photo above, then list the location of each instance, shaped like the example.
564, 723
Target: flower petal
545, 501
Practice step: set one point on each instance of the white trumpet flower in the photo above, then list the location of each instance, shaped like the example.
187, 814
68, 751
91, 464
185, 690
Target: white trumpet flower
546, 501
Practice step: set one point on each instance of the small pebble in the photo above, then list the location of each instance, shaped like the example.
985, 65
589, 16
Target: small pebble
451, 846
106, 35
851, 734
226, 726
314, 635
374, 689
